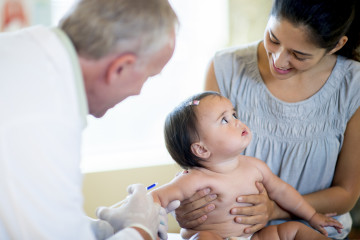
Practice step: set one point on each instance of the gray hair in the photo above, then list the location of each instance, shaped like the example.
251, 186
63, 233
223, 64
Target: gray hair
101, 27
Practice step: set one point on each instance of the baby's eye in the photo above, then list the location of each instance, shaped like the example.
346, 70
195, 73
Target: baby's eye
224, 121
235, 116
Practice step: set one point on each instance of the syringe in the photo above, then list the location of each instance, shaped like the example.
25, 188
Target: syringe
120, 202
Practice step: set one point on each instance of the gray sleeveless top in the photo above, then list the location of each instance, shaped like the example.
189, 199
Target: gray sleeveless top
299, 141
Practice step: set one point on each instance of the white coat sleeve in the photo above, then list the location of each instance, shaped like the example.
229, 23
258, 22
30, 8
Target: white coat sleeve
103, 230
127, 234
41, 127
41, 181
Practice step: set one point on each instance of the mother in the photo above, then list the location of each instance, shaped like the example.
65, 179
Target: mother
299, 92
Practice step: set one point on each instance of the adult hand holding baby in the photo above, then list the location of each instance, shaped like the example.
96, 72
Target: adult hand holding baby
192, 211
259, 213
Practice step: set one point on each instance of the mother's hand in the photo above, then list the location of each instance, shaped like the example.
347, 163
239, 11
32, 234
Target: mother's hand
258, 214
192, 211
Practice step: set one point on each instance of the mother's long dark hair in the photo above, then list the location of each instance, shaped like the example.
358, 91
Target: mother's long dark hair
327, 20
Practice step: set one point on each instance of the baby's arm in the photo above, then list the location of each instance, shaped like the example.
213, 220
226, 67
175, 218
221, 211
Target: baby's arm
319, 221
180, 188
291, 200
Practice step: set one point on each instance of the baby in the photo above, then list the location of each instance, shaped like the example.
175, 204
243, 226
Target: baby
204, 136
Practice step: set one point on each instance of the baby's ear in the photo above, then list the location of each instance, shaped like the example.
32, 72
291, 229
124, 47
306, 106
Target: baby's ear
199, 150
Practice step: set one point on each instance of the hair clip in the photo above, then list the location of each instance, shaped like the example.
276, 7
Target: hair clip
193, 103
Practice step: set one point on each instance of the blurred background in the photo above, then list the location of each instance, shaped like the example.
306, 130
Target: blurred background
131, 134
126, 146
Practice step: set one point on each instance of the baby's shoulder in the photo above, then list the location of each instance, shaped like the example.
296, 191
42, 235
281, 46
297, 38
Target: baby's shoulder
254, 164
251, 161
190, 175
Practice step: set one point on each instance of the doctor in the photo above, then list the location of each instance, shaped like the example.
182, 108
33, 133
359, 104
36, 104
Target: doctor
50, 79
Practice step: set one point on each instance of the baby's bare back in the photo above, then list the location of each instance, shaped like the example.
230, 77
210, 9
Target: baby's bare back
228, 187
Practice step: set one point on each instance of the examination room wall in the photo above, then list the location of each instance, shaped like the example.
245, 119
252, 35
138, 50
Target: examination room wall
109, 187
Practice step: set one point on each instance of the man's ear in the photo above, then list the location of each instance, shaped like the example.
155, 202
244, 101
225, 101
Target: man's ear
199, 150
339, 45
119, 66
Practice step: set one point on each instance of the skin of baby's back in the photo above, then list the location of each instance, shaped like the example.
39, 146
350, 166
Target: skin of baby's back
228, 187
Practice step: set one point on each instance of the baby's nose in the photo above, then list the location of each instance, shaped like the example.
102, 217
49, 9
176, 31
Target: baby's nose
238, 123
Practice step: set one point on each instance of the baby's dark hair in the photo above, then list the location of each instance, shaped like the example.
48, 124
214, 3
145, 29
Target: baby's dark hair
180, 131
326, 20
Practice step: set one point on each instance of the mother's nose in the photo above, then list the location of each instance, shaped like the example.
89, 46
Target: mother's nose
281, 58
